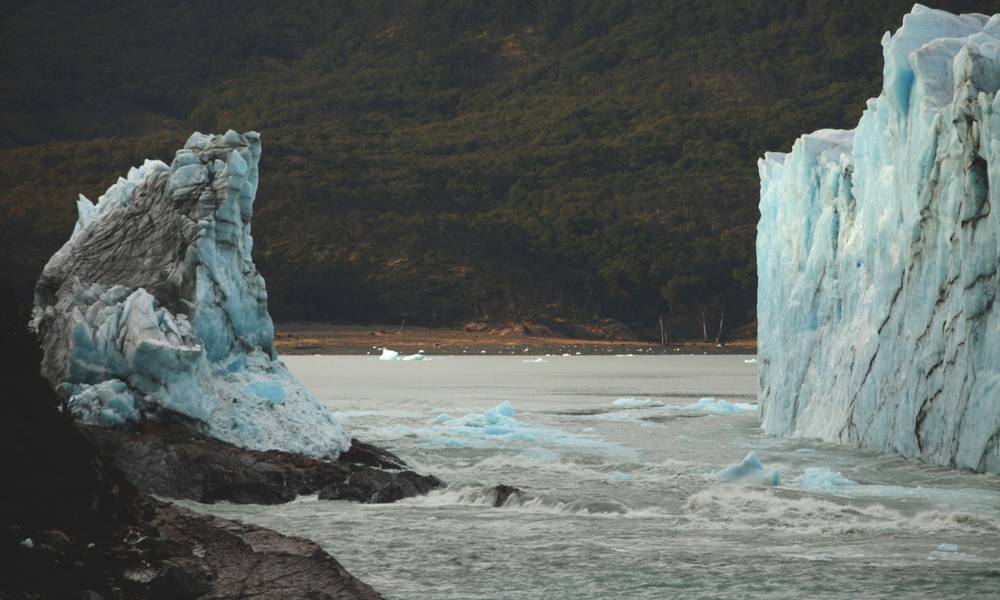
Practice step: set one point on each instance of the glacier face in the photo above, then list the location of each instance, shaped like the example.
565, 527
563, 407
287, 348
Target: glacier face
877, 256
154, 308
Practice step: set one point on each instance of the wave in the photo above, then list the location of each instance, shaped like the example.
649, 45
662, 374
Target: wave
485, 497
726, 507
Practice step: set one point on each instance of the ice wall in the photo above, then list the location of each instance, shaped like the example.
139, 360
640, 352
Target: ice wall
877, 256
154, 309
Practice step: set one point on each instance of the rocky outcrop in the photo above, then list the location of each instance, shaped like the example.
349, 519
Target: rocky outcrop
175, 461
503, 492
154, 307
72, 526
233, 560
175, 554
877, 256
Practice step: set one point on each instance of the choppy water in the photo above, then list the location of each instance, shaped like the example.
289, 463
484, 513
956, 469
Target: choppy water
620, 500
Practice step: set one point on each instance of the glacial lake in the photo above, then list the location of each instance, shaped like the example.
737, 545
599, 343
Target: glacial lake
616, 456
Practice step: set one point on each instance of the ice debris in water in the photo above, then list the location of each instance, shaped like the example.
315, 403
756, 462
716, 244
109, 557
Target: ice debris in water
154, 307
749, 471
498, 420
536, 360
495, 427
877, 258
635, 403
721, 407
750, 361
950, 552
822, 479
388, 354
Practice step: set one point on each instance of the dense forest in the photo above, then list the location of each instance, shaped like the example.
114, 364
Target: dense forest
446, 160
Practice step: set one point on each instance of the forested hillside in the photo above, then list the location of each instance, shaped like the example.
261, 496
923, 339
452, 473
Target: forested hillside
446, 160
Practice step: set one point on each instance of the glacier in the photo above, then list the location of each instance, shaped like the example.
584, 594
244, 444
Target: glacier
154, 310
877, 256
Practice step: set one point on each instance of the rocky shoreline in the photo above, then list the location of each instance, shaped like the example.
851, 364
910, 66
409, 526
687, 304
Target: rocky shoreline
175, 461
175, 554
152, 549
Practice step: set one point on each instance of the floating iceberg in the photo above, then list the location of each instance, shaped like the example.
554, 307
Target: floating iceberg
388, 354
822, 479
877, 256
154, 307
721, 407
950, 552
749, 471
636, 403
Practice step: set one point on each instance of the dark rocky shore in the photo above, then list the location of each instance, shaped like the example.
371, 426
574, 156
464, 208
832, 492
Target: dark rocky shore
174, 554
175, 461
113, 541
73, 526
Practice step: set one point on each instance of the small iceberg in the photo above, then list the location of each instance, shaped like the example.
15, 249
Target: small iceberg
388, 354
951, 552
823, 479
750, 471
721, 407
750, 361
635, 403
498, 420
535, 361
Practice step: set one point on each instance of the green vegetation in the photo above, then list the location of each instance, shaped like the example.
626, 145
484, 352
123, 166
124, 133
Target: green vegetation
453, 159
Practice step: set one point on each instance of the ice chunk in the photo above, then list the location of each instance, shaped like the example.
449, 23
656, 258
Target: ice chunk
635, 403
749, 471
108, 403
505, 409
750, 361
950, 552
154, 307
822, 479
721, 407
388, 354
877, 254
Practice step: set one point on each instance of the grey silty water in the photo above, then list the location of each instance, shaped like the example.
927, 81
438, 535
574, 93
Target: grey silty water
616, 465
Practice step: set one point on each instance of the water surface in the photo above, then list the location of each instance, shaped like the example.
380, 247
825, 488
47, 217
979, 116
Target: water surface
620, 502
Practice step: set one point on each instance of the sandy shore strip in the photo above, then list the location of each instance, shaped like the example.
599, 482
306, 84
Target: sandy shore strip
323, 338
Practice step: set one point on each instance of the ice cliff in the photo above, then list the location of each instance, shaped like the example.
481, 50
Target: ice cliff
877, 256
154, 307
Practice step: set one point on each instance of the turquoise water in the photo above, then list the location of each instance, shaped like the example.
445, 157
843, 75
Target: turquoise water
615, 456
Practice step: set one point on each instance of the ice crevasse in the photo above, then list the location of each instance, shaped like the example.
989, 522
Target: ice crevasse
877, 257
154, 309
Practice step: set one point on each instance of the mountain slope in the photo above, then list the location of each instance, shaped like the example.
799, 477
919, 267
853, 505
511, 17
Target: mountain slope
447, 160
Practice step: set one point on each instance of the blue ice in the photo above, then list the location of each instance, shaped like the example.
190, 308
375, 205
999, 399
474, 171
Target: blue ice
822, 479
749, 471
721, 407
